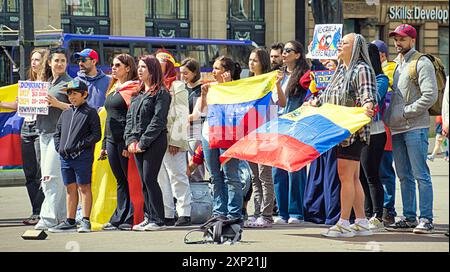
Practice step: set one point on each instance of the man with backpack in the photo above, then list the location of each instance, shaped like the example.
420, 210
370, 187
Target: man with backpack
409, 121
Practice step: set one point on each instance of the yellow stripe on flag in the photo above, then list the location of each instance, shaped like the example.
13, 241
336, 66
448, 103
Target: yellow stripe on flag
243, 90
104, 186
8, 94
350, 118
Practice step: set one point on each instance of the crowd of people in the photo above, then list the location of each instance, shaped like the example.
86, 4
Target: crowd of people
157, 117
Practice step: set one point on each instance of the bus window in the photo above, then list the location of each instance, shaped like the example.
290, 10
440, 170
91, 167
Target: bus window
171, 48
237, 53
140, 50
112, 50
78, 46
197, 52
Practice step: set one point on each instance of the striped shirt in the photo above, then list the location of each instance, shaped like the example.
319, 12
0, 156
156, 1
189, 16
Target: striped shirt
361, 89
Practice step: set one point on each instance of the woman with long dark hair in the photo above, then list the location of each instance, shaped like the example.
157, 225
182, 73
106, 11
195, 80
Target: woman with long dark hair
146, 137
371, 154
122, 87
290, 186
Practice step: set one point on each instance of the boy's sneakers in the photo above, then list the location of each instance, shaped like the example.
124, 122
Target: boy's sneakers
339, 231
109, 227
64, 226
361, 230
424, 227
125, 227
375, 225
85, 226
259, 223
430, 157
183, 221
403, 225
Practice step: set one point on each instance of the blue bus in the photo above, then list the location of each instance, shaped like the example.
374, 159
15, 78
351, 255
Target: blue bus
204, 50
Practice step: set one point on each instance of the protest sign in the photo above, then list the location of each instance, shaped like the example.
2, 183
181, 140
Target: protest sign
325, 41
323, 78
33, 98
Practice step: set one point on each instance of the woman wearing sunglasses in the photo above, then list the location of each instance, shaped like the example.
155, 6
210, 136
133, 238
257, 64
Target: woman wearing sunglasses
290, 186
123, 86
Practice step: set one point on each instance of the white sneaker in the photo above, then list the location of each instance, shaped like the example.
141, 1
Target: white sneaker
141, 226
252, 218
361, 230
430, 157
154, 226
339, 231
280, 221
294, 220
375, 225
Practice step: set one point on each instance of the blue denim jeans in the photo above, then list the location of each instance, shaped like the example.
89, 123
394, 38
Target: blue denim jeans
410, 156
387, 178
289, 190
228, 197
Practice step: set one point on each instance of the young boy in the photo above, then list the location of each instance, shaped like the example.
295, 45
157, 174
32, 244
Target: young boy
77, 131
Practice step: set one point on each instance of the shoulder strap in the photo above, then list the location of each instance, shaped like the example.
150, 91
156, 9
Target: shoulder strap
187, 242
413, 67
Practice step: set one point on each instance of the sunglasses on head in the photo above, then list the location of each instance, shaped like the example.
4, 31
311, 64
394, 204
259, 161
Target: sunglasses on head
84, 59
289, 50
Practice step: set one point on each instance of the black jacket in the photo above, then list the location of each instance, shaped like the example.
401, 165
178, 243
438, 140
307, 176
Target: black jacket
78, 129
147, 118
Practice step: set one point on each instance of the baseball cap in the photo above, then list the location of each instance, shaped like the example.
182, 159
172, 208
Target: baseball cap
404, 30
87, 53
382, 47
75, 85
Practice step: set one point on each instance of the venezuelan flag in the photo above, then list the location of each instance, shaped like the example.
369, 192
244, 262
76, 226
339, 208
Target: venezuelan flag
237, 108
10, 125
297, 138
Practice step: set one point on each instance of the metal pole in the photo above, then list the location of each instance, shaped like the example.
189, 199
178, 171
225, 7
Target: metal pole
26, 35
300, 22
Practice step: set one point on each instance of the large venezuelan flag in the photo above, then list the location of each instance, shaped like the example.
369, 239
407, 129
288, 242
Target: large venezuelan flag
297, 138
237, 108
10, 125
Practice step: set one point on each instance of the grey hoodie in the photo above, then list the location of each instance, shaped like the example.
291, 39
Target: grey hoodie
409, 105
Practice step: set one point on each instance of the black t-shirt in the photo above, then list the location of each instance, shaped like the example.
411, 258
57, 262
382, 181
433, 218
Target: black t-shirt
194, 94
116, 119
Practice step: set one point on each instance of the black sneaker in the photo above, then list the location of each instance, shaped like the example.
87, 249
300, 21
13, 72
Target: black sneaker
65, 226
32, 220
388, 218
403, 225
183, 221
425, 227
169, 222
126, 227
446, 234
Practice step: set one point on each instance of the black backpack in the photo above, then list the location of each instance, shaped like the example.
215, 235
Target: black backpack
218, 230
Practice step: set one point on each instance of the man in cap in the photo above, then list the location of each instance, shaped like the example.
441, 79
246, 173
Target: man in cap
409, 121
94, 78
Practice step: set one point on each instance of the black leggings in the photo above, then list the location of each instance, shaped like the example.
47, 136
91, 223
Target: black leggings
369, 175
119, 166
149, 164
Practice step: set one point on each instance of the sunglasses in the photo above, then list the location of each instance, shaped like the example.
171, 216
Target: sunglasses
117, 65
289, 50
83, 59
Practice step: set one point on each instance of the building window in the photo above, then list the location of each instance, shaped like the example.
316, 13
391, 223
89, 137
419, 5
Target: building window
246, 10
163, 9
352, 26
92, 8
9, 6
443, 47
380, 35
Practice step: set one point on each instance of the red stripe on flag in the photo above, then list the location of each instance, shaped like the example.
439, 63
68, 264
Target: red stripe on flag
11, 150
226, 136
273, 149
136, 191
